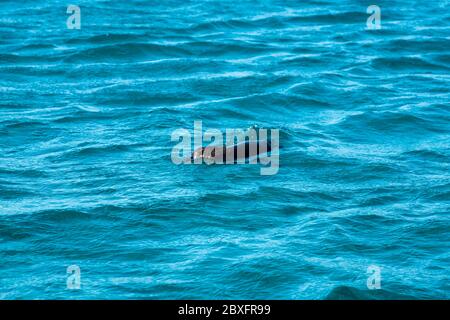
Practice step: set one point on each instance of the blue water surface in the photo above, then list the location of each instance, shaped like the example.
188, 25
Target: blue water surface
86, 176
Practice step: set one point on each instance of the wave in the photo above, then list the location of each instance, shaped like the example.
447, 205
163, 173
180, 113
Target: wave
351, 293
127, 51
407, 63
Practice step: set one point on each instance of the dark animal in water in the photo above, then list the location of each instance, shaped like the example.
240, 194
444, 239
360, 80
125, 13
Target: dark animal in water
231, 154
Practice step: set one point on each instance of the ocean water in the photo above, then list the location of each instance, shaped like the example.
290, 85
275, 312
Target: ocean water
86, 176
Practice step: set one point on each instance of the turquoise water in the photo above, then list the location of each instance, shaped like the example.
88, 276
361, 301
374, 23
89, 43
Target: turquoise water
86, 176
